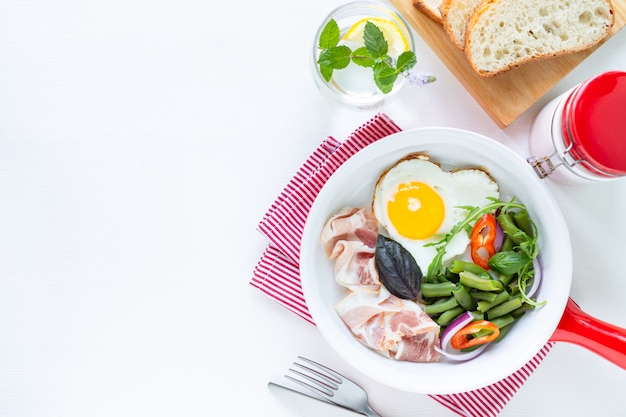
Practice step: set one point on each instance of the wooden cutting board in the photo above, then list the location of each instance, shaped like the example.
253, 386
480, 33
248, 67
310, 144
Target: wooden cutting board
506, 96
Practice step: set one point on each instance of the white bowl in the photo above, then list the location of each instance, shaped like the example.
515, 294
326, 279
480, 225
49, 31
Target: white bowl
353, 184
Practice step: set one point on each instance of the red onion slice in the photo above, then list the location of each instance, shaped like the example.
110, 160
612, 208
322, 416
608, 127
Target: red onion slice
454, 354
497, 243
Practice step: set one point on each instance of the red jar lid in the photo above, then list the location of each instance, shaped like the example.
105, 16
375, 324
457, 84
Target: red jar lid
594, 123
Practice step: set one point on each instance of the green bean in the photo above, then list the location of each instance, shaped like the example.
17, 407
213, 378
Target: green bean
441, 278
503, 321
440, 289
490, 297
464, 298
441, 305
518, 312
522, 220
505, 330
483, 332
474, 281
505, 279
459, 266
447, 316
450, 276
477, 315
513, 287
501, 297
507, 244
509, 227
504, 308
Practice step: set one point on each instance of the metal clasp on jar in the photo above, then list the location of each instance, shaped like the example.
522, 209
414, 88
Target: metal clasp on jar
543, 166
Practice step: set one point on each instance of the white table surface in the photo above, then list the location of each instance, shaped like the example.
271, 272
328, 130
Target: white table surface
141, 141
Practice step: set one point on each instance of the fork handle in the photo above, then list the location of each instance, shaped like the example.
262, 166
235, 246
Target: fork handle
371, 413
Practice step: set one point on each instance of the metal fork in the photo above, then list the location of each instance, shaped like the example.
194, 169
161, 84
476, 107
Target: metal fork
331, 386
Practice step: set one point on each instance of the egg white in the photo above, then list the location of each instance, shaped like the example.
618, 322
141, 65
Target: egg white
465, 187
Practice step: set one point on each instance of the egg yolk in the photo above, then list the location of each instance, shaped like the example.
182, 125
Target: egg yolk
416, 211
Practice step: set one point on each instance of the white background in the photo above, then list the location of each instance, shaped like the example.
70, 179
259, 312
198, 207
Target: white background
140, 144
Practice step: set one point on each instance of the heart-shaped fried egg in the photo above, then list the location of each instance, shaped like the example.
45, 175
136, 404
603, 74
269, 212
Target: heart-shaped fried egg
417, 202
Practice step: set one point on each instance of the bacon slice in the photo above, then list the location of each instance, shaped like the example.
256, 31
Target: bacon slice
358, 307
350, 224
355, 265
396, 328
349, 237
420, 334
393, 327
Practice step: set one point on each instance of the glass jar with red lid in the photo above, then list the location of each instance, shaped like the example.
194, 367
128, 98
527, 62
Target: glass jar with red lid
584, 131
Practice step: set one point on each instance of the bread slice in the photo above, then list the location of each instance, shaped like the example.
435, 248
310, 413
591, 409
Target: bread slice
503, 34
454, 17
430, 8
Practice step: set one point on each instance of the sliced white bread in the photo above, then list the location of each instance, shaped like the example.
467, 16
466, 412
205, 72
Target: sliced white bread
430, 8
454, 17
503, 34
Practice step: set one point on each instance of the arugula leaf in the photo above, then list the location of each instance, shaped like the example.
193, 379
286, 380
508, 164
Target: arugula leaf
524, 277
517, 261
436, 266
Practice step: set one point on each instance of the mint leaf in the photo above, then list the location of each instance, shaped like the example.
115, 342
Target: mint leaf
406, 61
375, 40
330, 35
362, 57
340, 56
327, 72
337, 57
325, 58
384, 77
373, 55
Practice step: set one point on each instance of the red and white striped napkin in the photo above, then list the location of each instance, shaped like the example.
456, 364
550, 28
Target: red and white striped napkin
277, 272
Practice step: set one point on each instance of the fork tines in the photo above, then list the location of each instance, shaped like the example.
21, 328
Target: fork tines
325, 381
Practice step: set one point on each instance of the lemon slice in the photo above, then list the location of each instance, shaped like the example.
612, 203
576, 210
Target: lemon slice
393, 35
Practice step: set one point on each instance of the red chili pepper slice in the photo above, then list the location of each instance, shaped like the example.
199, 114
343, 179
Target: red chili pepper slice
465, 338
482, 240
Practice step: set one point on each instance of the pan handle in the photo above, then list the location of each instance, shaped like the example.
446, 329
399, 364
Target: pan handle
578, 327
